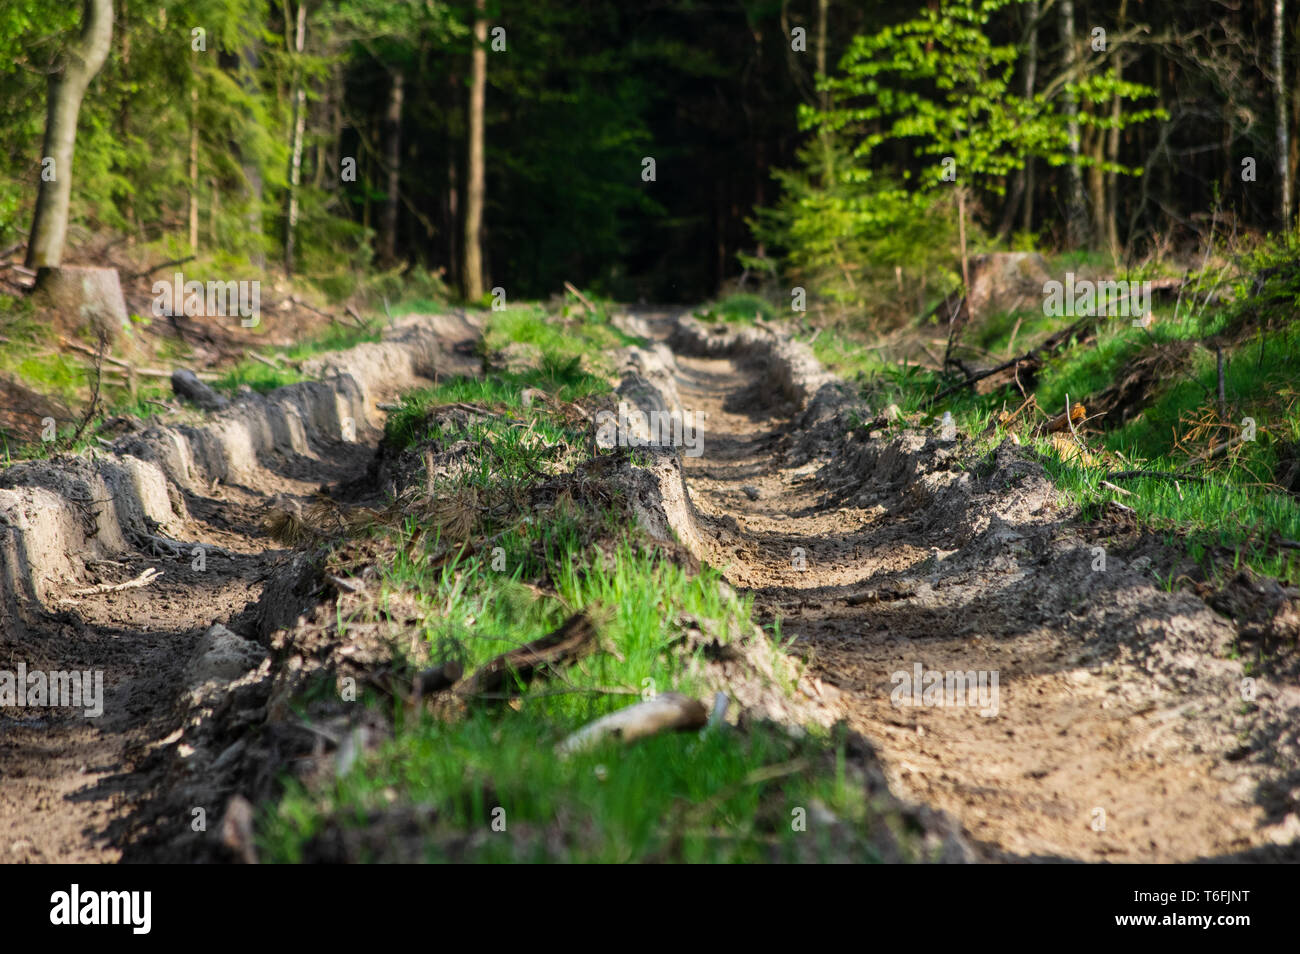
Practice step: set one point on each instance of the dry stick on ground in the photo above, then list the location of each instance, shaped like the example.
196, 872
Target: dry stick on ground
570, 287
1214, 451
1051, 344
157, 268
1011, 342
671, 710
1157, 474
94, 394
573, 639
144, 579
1074, 412
266, 361
356, 317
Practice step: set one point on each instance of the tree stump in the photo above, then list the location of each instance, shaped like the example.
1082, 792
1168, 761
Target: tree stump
84, 295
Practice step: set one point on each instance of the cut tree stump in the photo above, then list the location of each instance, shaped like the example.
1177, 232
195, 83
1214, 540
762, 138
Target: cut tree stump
83, 295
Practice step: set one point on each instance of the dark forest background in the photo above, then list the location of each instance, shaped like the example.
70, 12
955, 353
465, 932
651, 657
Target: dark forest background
196, 147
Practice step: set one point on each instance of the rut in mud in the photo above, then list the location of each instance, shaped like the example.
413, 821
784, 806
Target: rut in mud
71, 784
1120, 733
188, 499
1117, 732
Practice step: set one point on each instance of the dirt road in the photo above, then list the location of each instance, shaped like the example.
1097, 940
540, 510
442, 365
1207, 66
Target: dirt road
1118, 727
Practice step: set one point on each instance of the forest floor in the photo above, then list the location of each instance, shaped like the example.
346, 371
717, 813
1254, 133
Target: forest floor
1119, 732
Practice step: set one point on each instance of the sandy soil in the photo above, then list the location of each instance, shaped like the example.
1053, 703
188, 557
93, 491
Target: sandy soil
1088, 758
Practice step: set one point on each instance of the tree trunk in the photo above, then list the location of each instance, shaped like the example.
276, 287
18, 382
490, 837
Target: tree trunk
1279, 89
67, 87
194, 156
252, 169
299, 128
1077, 220
1096, 140
1022, 176
1112, 145
393, 136
124, 114
1031, 74
824, 99
474, 187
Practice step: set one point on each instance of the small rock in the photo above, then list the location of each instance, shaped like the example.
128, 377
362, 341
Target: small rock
188, 387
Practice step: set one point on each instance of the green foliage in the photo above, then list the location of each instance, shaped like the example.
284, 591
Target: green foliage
662, 798
919, 113
741, 308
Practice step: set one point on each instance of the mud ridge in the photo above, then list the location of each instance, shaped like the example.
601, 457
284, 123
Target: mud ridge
182, 502
1127, 728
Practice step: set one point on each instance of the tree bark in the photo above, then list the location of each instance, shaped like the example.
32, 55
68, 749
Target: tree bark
299, 128
823, 97
472, 274
1031, 74
393, 135
1112, 145
67, 87
1077, 220
194, 156
1097, 179
252, 168
1279, 88
1022, 176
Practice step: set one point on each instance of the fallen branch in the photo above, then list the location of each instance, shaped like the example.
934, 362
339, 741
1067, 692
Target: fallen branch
157, 268
144, 579
573, 639
1115, 487
570, 287
1029, 357
1076, 414
1155, 474
266, 361
1214, 451
671, 710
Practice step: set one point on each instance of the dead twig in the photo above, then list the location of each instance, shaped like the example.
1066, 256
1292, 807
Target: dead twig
573, 639
144, 579
573, 290
671, 710
1156, 474
93, 407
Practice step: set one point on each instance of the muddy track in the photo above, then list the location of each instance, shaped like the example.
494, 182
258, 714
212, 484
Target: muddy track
187, 498
1120, 732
